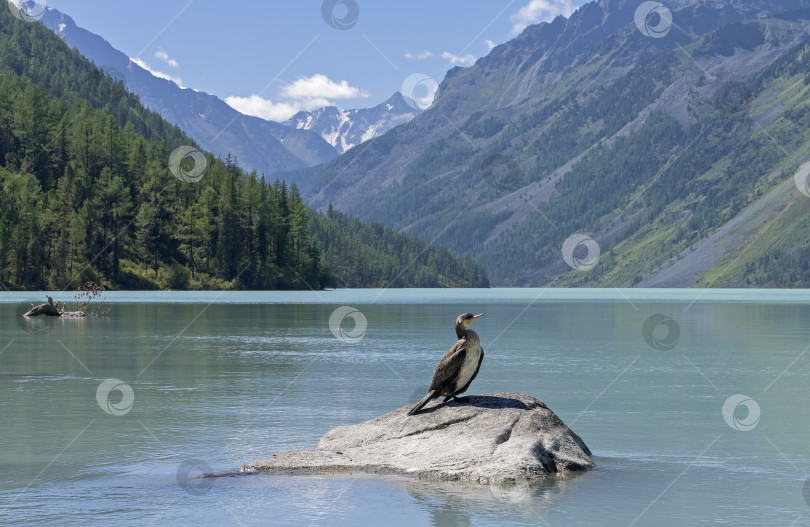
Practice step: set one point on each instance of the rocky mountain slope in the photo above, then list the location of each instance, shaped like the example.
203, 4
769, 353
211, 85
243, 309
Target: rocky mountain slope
605, 148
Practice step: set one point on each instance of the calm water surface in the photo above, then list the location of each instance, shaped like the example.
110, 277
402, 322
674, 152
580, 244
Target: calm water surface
205, 382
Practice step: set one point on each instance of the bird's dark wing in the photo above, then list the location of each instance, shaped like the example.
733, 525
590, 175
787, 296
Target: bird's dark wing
480, 360
449, 368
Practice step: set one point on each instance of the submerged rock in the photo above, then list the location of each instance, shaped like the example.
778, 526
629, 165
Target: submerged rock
499, 437
73, 314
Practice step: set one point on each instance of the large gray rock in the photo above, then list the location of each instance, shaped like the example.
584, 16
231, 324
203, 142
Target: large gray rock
495, 438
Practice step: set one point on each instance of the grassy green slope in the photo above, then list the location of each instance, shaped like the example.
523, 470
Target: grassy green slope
656, 193
761, 220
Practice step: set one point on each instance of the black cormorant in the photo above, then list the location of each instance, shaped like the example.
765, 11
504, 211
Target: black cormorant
458, 367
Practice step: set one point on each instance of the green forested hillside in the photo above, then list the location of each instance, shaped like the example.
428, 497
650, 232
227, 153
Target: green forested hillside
370, 254
85, 199
88, 195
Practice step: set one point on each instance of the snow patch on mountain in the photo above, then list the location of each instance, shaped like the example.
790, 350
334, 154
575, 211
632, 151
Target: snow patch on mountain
345, 129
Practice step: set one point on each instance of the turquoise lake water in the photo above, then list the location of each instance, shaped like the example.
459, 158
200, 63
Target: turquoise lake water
693, 402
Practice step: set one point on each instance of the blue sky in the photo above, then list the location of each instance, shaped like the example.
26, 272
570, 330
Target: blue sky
272, 58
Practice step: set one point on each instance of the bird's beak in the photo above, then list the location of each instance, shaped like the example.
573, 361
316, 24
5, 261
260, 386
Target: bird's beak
478, 316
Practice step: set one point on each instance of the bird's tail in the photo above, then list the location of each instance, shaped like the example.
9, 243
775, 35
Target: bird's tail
418, 406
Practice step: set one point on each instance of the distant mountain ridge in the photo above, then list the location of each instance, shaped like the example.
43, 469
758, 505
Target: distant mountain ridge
592, 125
258, 144
345, 129
309, 138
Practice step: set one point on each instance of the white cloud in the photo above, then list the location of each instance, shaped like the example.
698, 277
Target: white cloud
162, 55
466, 60
305, 93
418, 56
537, 11
489, 44
320, 86
160, 74
265, 108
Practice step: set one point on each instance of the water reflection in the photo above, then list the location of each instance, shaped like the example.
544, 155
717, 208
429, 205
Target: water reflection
454, 503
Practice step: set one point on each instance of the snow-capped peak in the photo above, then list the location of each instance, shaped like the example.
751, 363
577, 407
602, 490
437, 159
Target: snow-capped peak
345, 129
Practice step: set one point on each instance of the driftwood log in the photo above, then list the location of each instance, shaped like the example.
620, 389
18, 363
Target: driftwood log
50, 310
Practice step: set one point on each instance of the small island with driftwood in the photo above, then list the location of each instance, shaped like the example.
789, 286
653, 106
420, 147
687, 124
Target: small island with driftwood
86, 293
